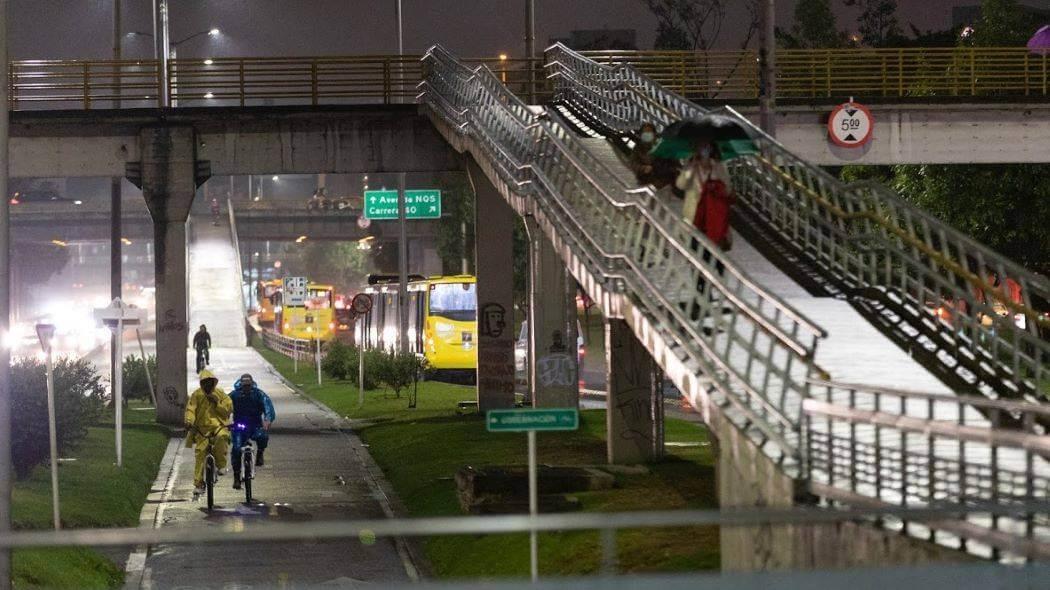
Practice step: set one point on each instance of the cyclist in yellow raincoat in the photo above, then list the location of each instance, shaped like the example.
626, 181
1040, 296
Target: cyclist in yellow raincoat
208, 411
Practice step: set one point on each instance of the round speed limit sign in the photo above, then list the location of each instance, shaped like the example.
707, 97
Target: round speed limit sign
850, 125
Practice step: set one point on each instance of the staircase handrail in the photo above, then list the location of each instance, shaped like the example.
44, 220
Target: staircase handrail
882, 239
475, 102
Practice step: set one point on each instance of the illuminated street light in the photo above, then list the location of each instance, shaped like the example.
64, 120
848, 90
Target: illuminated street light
59, 243
300, 239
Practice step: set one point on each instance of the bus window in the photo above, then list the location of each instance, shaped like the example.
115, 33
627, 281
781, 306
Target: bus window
319, 299
454, 301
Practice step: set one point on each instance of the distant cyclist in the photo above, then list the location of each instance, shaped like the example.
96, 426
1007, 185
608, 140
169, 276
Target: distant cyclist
202, 344
207, 414
252, 408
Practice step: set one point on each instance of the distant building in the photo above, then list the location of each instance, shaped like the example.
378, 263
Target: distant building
599, 39
969, 15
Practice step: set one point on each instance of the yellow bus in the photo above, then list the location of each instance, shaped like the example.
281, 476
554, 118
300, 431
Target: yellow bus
442, 319
313, 320
268, 295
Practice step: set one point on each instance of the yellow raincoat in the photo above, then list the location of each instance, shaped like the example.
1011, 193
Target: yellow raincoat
207, 416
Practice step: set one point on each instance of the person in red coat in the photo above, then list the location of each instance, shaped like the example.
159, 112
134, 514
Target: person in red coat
708, 203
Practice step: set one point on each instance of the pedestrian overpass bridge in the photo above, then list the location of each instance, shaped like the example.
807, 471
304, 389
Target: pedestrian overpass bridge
835, 299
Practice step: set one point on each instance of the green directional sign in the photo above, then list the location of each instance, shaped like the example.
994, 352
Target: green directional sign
419, 204
529, 419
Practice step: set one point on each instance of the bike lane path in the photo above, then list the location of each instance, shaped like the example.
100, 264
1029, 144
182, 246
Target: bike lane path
316, 470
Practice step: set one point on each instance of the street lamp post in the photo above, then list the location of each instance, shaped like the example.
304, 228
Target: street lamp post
46, 332
170, 51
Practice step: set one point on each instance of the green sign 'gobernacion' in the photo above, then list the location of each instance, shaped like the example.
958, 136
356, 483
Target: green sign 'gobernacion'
529, 419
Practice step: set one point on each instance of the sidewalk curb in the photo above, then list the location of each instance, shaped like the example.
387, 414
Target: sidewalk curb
152, 512
417, 567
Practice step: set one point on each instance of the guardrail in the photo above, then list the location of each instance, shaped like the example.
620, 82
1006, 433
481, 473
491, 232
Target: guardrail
812, 73
387, 79
864, 236
758, 354
868, 445
299, 349
607, 524
363, 79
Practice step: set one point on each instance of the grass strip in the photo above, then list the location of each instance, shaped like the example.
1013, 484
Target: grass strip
93, 493
420, 450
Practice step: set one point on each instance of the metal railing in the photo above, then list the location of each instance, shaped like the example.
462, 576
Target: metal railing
879, 446
863, 236
812, 73
607, 524
299, 349
363, 79
758, 355
385, 79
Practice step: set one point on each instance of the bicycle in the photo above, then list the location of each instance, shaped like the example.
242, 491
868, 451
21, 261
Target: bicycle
211, 472
247, 470
202, 359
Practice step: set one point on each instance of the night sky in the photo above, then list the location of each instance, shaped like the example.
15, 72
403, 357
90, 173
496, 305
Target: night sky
69, 29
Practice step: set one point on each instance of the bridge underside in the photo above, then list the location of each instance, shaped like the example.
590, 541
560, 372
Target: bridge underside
910, 133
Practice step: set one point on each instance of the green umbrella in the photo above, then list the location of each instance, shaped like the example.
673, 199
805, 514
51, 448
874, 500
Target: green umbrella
674, 148
735, 148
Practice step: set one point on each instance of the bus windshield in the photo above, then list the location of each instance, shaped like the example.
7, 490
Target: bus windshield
319, 299
455, 301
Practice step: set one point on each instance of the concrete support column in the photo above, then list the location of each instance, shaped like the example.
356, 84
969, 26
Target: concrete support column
494, 232
552, 357
629, 419
168, 185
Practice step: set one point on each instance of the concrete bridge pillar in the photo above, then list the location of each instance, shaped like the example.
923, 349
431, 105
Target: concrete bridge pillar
552, 357
630, 388
168, 179
494, 229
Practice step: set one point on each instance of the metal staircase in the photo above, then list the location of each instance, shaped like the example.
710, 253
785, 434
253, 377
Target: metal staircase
732, 345
910, 272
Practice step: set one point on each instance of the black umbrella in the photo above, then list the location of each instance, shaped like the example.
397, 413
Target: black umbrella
681, 138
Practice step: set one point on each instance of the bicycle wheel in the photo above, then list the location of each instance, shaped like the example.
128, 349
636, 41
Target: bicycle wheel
209, 480
248, 464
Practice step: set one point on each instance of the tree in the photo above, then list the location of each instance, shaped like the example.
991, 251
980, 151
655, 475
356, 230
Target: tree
814, 26
342, 264
670, 38
1000, 205
455, 236
1003, 24
78, 404
695, 24
877, 22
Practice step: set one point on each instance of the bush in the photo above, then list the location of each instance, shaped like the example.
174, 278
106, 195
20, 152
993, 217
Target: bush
399, 370
136, 385
336, 363
79, 402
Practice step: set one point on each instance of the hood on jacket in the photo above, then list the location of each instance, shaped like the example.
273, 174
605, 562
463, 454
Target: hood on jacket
207, 375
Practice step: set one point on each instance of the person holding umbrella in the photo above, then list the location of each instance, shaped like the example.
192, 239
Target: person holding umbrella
708, 195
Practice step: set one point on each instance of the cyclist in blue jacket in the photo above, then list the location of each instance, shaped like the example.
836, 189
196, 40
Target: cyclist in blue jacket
252, 408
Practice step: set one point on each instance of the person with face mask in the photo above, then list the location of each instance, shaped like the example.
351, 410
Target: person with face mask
708, 195
658, 172
207, 414
707, 205
252, 415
